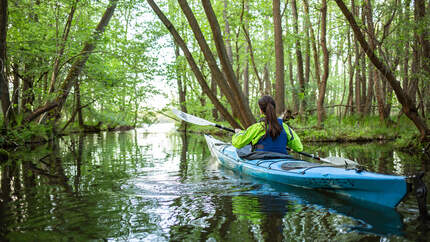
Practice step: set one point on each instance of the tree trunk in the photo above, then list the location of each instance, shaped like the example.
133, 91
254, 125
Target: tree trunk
279, 56
422, 17
15, 94
364, 96
373, 73
248, 119
214, 90
407, 105
61, 47
199, 76
227, 33
314, 48
350, 101
293, 86
78, 104
323, 84
4, 83
266, 80
247, 53
225, 85
181, 85
251, 54
357, 84
299, 58
423, 37
27, 94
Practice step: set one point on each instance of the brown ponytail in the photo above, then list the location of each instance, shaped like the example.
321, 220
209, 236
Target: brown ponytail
268, 106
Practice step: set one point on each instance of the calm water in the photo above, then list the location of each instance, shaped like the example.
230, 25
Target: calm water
164, 186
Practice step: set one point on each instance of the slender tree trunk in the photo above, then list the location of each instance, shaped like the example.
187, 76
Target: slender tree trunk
307, 59
227, 33
293, 91
246, 76
248, 118
225, 85
251, 55
4, 83
323, 84
422, 17
214, 90
350, 100
27, 94
299, 58
407, 105
279, 56
358, 78
266, 80
199, 76
315, 50
15, 94
62, 46
306, 30
181, 85
247, 53
373, 73
423, 36
78, 104
364, 96
405, 15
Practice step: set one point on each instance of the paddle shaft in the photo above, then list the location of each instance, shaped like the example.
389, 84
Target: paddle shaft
308, 155
224, 128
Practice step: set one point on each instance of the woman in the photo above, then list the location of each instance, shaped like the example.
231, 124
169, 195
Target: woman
270, 134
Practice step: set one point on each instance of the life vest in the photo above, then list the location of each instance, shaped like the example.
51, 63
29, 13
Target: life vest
278, 144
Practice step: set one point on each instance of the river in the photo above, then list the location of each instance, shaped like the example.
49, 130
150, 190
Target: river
156, 184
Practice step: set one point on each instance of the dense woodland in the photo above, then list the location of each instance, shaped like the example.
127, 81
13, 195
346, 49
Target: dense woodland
87, 65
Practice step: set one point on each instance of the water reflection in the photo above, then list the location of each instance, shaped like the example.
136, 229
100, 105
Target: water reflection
164, 186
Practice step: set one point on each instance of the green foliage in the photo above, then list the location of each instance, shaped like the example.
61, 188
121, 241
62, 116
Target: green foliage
117, 82
31, 133
352, 128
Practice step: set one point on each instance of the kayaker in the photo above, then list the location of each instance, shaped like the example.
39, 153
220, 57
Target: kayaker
270, 134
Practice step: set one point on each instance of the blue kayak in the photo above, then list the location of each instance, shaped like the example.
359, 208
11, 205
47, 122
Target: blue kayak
385, 190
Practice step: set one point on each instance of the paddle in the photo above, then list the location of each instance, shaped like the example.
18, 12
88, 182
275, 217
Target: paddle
196, 120
333, 160
202, 122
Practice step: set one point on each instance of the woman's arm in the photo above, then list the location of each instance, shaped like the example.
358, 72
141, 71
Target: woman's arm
251, 135
293, 139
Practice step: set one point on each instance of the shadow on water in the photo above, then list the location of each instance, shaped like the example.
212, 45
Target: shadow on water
164, 186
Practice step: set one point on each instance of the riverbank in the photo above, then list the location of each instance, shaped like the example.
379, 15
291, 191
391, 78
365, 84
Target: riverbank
335, 130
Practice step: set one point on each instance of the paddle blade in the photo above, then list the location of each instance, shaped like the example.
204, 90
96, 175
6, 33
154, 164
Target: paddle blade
190, 118
339, 161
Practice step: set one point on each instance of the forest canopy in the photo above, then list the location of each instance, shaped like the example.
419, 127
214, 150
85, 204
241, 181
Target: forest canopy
87, 63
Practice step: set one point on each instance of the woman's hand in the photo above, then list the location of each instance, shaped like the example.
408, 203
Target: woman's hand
237, 130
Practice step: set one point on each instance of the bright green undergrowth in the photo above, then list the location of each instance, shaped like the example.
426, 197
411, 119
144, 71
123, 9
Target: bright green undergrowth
353, 128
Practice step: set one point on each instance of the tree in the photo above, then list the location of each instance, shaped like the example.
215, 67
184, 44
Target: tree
323, 84
247, 117
4, 83
76, 68
299, 55
279, 55
199, 76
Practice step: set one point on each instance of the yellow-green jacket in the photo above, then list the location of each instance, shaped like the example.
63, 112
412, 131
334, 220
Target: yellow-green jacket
254, 132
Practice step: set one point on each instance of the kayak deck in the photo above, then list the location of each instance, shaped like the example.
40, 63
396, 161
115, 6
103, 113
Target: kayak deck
386, 190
